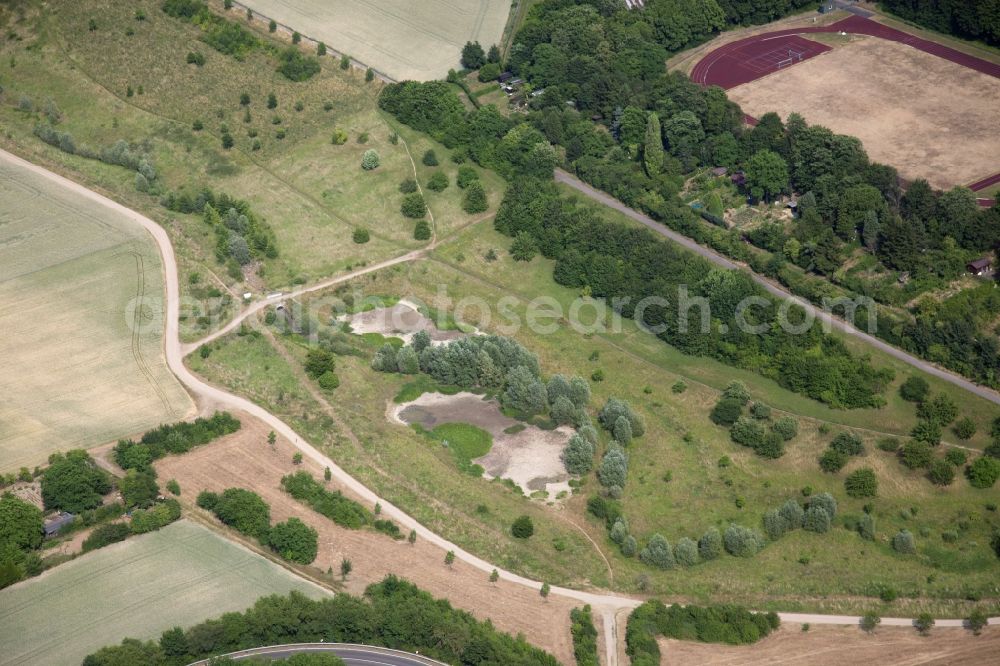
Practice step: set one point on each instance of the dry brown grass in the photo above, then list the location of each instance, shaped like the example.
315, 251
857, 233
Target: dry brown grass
928, 117
245, 460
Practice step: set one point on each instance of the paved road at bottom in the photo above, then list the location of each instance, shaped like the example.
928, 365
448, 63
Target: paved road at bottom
353, 655
823, 316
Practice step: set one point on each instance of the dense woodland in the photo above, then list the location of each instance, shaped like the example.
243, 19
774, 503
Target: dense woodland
612, 115
393, 613
969, 19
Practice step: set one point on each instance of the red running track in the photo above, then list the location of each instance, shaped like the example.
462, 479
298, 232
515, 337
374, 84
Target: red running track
751, 58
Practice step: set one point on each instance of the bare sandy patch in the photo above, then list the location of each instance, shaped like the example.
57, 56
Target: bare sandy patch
928, 117
833, 646
402, 320
531, 457
244, 459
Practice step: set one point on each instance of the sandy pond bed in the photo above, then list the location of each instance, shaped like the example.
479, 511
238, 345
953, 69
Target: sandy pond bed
530, 458
402, 320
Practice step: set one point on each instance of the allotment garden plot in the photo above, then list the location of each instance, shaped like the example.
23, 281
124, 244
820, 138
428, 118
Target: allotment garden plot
81, 365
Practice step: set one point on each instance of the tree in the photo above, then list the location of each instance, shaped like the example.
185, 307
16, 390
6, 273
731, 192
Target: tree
321, 49
816, 520
346, 566
138, 488
832, 461
983, 472
941, 410
174, 487
297, 458
318, 361
438, 182
244, 511
866, 527
271, 438
792, 513
915, 389
20, 524
422, 230
869, 621
370, 160
710, 544
737, 390
474, 199
494, 576
449, 558
863, 483
578, 456
742, 541
622, 430
272, 101
766, 174
848, 443
941, 472
525, 392
563, 410
915, 454
614, 468
294, 541
327, 474
686, 552
369, 75
466, 176
658, 553
413, 537
927, 431
413, 206
73, 482
361, 236
407, 361
924, 623
523, 248
473, 56
430, 158
787, 427
977, 620
522, 528
630, 546
726, 412
544, 591
653, 154
965, 428
956, 457
904, 543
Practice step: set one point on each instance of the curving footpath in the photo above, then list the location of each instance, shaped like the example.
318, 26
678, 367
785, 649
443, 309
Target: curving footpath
352, 654
606, 604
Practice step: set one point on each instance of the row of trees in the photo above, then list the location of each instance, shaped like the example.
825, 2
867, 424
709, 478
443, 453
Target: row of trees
332, 504
969, 19
248, 513
734, 625
393, 613
173, 439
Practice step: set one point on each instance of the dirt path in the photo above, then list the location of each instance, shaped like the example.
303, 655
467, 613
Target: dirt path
213, 396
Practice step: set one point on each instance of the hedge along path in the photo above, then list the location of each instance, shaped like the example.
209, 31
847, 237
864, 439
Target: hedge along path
606, 604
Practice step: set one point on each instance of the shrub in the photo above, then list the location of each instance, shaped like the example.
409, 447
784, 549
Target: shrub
927, 431
775, 525
924, 623
915, 389
816, 520
869, 621
658, 553
321, 49
438, 182
413, 206
748, 432
941, 410
104, 535
678, 387
742, 541
848, 443
332, 504
159, 515
522, 528
630, 546
686, 552
207, 500
370, 160
726, 412
195, 58
294, 541
941, 473
710, 544
888, 444
430, 158
328, 381
360, 236
345, 62
174, 487
73, 482
956, 457
474, 200
904, 543
787, 427
297, 67
862, 483
826, 502
619, 530
965, 428
772, 447
793, 514
244, 511
983, 473
407, 186
737, 390
866, 527
466, 176
339, 138
584, 637
760, 411
523, 248
916, 454
832, 461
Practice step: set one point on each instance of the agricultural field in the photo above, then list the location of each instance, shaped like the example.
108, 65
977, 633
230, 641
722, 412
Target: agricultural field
395, 37
83, 358
928, 117
176, 576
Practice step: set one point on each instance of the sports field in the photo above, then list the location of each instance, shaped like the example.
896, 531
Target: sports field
82, 366
401, 38
927, 116
178, 576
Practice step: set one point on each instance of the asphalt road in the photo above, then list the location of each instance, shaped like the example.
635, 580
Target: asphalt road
775, 290
353, 655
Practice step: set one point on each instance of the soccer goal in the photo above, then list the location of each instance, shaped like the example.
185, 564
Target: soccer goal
793, 57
